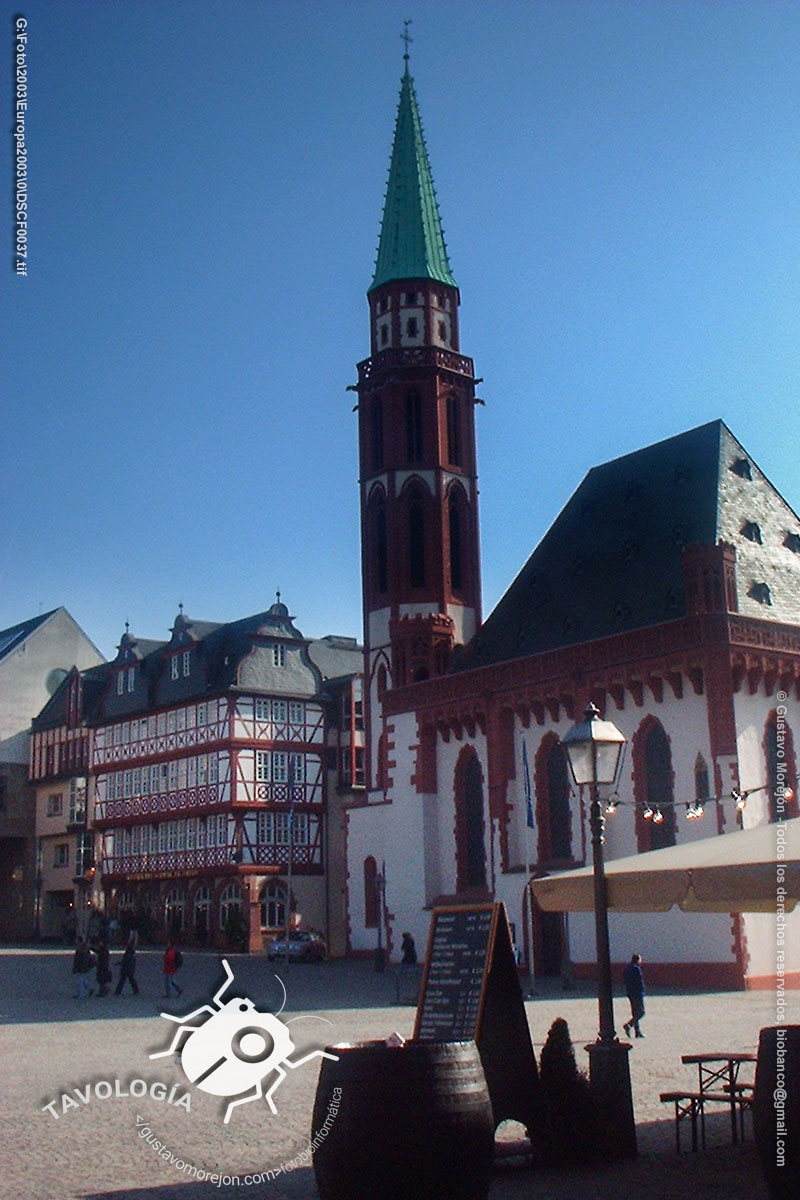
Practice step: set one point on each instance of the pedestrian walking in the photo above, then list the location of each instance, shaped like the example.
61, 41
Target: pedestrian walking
82, 964
127, 967
173, 961
409, 951
103, 971
633, 979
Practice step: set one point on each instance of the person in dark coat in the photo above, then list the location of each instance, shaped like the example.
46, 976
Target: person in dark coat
82, 963
634, 990
409, 950
103, 971
127, 967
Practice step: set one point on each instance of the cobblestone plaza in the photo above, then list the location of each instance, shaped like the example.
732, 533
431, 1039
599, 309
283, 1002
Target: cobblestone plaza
123, 1117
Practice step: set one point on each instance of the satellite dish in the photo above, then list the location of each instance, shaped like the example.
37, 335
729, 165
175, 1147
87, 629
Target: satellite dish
54, 679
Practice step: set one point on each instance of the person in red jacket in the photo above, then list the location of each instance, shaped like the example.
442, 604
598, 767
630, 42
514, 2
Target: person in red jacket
172, 963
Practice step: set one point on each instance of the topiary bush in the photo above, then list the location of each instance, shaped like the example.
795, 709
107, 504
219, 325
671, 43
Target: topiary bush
570, 1118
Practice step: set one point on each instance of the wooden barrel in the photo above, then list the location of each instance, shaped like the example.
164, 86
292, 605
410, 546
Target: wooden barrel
776, 1109
403, 1123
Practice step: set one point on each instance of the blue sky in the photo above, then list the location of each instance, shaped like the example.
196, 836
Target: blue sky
620, 195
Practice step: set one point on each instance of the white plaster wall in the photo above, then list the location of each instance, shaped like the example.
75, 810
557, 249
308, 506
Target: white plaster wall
773, 944
58, 643
672, 936
750, 713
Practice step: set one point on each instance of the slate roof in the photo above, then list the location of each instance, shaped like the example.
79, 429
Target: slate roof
16, 634
611, 561
412, 244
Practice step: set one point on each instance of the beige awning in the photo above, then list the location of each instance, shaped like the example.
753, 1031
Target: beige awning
751, 870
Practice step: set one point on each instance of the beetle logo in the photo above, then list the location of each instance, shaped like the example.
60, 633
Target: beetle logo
236, 1049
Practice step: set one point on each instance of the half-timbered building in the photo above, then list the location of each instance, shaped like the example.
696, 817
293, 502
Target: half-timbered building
214, 763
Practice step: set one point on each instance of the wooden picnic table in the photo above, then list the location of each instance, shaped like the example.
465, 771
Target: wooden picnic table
720, 1070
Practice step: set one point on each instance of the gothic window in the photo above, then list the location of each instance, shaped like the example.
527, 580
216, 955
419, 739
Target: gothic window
381, 550
702, 787
470, 852
414, 427
453, 431
781, 769
370, 893
377, 436
552, 801
653, 787
456, 544
416, 543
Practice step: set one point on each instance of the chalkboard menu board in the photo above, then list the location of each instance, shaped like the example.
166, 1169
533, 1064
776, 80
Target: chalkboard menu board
470, 992
456, 967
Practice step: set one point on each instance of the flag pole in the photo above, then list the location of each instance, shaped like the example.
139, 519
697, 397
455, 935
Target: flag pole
526, 891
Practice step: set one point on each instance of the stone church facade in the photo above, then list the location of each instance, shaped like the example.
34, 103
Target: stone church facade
667, 592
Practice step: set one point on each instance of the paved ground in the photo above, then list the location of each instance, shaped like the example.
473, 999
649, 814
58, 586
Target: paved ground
52, 1045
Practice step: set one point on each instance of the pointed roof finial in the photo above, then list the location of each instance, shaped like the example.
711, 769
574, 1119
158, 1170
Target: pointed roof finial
278, 595
180, 607
127, 627
407, 38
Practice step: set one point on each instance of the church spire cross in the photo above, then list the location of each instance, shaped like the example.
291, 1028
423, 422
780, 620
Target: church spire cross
407, 39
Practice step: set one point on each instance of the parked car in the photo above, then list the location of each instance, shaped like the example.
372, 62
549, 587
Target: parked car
304, 946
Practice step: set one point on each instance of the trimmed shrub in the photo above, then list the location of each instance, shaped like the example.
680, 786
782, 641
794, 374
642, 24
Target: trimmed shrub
570, 1119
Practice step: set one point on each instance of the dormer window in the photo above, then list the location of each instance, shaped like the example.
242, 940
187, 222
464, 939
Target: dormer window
752, 531
741, 467
174, 667
120, 683
186, 663
131, 678
278, 655
761, 593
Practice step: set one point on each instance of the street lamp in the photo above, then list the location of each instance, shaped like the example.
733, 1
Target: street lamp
380, 888
593, 749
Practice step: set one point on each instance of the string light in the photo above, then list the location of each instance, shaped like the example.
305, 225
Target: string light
695, 809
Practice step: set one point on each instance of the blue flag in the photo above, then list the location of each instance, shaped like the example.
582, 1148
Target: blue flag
527, 781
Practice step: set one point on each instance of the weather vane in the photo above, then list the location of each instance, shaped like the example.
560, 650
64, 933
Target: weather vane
406, 37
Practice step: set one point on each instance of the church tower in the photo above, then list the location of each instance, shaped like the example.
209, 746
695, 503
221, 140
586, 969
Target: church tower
418, 475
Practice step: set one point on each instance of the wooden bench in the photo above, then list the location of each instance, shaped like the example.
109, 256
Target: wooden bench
691, 1105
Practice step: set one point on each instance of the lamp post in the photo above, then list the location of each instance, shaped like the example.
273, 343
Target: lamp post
380, 887
593, 748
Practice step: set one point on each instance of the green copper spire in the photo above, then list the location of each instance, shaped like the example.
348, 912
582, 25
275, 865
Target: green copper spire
412, 242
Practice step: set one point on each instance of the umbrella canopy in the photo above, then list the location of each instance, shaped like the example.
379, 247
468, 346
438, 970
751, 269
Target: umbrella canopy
733, 872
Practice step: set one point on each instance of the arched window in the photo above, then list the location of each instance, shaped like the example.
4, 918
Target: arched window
175, 910
702, 786
553, 819
230, 902
414, 427
273, 906
377, 435
379, 549
653, 787
370, 893
456, 543
470, 851
781, 768
453, 431
416, 542
201, 911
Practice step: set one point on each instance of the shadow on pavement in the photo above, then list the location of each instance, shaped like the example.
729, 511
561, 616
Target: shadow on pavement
38, 985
